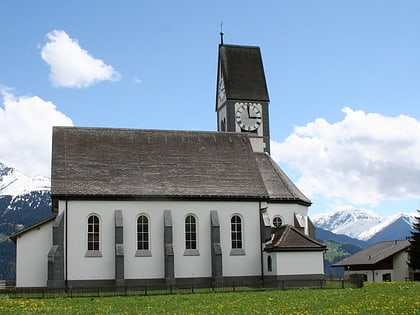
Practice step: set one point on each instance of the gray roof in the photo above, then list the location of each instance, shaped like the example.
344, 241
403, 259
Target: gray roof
278, 184
15, 235
288, 238
134, 163
243, 73
374, 254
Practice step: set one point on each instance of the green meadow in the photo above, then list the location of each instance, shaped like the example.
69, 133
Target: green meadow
384, 298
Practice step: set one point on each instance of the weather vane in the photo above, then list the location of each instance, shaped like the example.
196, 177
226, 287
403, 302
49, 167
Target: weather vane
221, 33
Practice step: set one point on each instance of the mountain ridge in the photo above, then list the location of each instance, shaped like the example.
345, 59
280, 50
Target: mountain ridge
24, 201
364, 225
14, 183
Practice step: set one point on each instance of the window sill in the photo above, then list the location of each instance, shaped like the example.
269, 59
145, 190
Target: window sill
93, 253
237, 252
191, 252
143, 253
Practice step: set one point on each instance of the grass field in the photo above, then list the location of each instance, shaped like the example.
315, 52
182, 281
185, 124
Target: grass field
385, 298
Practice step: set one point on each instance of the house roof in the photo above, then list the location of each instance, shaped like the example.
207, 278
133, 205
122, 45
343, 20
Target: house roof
374, 254
288, 238
277, 183
243, 73
153, 163
135, 163
14, 236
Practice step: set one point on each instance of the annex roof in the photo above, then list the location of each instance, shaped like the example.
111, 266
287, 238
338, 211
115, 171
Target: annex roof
243, 72
288, 238
15, 235
374, 254
105, 162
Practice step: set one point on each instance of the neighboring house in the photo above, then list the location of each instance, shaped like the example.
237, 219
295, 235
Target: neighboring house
139, 207
384, 261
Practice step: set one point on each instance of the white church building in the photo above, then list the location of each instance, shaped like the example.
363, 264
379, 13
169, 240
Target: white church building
144, 207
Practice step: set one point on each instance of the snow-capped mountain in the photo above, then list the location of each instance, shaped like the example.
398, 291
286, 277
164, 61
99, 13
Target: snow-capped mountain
364, 225
24, 201
14, 183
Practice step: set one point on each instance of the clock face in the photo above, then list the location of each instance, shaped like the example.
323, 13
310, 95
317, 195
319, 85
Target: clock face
248, 116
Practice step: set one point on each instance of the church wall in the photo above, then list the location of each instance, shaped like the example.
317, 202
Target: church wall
286, 211
80, 266
296, 263
151, 265
32, 265
242, 265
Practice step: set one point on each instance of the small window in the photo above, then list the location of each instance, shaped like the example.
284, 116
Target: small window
269, 264
236, 231
142, 233
236, 236
277, 222
93, 236
191, 243
93, 233
190, 232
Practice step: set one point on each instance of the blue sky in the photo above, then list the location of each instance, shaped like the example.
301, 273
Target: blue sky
343, 79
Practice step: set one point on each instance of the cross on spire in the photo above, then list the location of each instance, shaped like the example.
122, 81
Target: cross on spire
221, 33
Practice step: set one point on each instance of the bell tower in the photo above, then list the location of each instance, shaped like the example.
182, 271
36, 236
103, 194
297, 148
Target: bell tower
242, 96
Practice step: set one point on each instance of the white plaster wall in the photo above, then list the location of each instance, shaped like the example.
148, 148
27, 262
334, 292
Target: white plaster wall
143, 267
192, 266
400, 272
273, 271
249, 264
286, 211
32, 256
90, 268
298, 263
79, 266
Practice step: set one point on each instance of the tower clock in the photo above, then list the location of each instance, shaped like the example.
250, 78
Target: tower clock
242, 97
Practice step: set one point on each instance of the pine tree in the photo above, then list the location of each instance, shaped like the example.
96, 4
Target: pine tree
414, 249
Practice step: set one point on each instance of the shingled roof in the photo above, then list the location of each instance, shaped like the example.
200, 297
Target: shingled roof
134, 163
278, 184
153, 163
374, 254
243, 73
288, 238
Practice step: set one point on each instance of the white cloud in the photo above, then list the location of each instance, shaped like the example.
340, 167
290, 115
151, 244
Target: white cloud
26, 131
71, 65
364, 159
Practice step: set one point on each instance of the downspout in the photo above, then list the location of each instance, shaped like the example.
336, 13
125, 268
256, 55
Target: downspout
66, 242
261, 243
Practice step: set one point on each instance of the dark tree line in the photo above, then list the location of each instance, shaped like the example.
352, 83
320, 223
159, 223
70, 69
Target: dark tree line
414, 249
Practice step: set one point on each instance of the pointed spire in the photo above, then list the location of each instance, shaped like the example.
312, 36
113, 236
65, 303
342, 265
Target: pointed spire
221, 33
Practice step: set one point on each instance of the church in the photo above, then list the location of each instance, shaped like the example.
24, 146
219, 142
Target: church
164, 207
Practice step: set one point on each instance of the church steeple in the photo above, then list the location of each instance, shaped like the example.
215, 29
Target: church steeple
242, 96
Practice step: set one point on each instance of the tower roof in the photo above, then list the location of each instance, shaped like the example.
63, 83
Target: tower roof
243, 73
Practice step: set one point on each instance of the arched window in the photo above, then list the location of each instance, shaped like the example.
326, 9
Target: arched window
142, 233
269, 264
93, 233
236, 231
277, 222
190, 232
